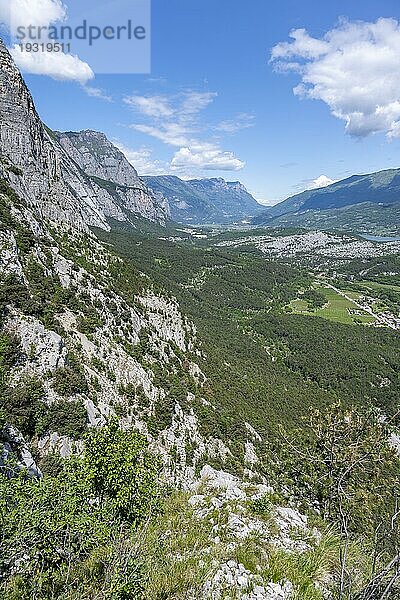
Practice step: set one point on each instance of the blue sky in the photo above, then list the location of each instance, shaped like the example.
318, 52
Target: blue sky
214, 105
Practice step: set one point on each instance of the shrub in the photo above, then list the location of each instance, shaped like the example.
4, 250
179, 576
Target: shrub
10, 353
70, 380
67, 418
51, 464
24, 406
120, 467
16, 170
12, 291
262, 506
90, 322
72, 533
315, 299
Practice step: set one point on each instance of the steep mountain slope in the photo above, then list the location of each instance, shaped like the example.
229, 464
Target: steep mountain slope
84, 337
374, 219
80, 320
192, 346
185, 204
378, 188
48, 177
118, 186
97, 156
35, 165
200, 201
79, 342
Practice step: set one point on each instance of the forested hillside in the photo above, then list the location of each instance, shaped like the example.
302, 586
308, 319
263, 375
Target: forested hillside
185, 414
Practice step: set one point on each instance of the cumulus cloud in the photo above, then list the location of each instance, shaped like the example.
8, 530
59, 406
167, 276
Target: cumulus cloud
31, 12
174, 120
64, 67
354, 68
209, 159
58, 65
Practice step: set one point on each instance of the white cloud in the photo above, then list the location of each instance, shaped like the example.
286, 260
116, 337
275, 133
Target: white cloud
143, 161
151, 106
182, 106
174, 120
57, 65
31, 12
320, 182
242, 121
94, 92
354, 69
303, 45
195, 102
173, 134
210, 159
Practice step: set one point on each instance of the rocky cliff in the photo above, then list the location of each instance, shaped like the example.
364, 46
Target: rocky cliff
85, 336
119, 189
33, 163
54, 181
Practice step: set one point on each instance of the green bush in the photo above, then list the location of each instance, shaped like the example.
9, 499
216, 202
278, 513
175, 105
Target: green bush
24, 406
90, 322
121, 467
10, 353
51, 464
70, 380
16, 170
315, 299
12, 291
262, 506
67, 418
72, 533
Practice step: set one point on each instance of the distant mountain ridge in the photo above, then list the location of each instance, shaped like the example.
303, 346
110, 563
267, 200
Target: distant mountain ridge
82, 179
382, 187
361, 203
375, 219
201, 201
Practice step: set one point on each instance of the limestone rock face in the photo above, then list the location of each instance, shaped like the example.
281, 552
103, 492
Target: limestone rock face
45, 350
15, 445
35, 166
111, 174
51, 175
98, 157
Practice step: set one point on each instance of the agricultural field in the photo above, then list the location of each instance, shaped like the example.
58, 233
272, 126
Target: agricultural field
337, 308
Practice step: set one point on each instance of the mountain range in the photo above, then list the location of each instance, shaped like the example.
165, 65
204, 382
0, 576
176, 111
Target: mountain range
89, 180
164, 399
204, 201
75, 178
359, 203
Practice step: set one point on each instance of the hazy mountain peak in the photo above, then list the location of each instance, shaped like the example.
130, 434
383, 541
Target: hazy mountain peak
211, 200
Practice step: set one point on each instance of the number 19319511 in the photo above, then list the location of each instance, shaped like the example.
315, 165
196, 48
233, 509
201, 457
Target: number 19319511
45, 47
